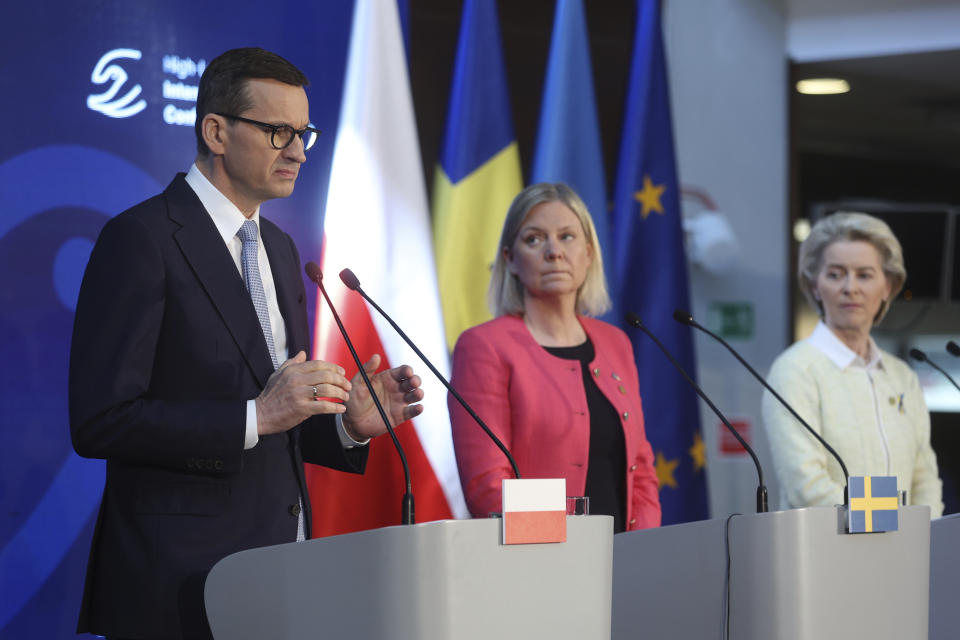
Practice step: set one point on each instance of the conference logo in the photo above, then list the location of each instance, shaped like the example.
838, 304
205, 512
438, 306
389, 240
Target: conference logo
107, 70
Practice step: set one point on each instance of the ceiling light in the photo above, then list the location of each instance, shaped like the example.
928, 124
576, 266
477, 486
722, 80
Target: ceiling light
823, 86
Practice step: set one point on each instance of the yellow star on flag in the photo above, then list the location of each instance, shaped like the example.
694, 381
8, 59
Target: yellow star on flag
649, 197
664, 470
698, 452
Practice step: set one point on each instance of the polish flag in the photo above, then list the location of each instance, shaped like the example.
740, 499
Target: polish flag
534, 510
376, 223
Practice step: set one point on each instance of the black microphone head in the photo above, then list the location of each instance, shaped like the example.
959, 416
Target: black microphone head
633, 319
682, 316
953, 348
916, 354
313, 272
349, 279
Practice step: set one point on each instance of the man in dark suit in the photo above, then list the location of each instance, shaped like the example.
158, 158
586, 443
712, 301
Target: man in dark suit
188, 368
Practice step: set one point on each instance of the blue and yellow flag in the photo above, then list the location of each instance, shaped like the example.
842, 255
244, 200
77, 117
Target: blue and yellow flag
874, 501
568, 140
478, 174
651, 269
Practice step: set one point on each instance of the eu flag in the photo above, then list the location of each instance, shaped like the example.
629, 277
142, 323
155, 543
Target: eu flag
873, 504
651, 272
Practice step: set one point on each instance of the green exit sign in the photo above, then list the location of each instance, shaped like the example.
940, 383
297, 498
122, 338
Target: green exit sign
731, 319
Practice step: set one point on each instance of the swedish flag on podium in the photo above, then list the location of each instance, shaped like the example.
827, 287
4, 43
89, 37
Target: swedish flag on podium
874, 501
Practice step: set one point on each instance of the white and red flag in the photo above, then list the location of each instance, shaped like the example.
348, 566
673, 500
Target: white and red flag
376, 223
534, 510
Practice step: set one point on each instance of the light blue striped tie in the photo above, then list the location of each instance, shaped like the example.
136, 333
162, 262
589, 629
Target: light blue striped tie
251, 276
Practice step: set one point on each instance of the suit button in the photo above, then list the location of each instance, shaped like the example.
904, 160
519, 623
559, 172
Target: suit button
295, 509
626, 414
596, 373
633, 468
633, 522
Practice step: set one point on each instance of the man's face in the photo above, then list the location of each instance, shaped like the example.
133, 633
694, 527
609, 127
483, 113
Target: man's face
254, 171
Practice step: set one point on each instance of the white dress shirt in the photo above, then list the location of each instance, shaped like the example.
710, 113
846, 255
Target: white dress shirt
228, 219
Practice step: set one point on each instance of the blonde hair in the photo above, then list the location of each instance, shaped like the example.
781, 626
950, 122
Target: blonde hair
505, 295
851, 227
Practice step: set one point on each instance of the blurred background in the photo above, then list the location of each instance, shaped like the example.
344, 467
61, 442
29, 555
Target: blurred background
98, 115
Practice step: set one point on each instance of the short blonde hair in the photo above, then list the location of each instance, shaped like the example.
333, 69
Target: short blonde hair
850, 227
505, 295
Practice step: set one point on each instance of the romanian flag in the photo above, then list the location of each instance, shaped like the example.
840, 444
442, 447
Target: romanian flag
568, 140
376, 223
873, 504
478, 174
651, 270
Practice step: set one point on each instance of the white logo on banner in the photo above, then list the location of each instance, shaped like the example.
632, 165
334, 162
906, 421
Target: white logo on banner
107, 103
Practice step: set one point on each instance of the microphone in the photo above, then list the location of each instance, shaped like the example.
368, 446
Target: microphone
407, 508
684, 317
953, 348
635, 321
916, 354
353, 283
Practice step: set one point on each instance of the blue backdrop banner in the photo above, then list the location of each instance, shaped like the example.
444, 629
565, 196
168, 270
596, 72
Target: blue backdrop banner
98, 112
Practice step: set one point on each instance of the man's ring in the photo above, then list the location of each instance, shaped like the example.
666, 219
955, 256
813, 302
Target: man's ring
315, 392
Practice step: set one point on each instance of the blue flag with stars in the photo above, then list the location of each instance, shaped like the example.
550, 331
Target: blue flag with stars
651, 275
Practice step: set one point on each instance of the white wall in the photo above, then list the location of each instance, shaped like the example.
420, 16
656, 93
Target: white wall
834, 29
728, 74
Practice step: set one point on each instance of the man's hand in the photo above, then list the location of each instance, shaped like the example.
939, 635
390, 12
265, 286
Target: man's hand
292, 392
398, 390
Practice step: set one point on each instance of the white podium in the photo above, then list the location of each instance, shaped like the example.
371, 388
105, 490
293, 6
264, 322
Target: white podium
438, 580
794, 575
945, 578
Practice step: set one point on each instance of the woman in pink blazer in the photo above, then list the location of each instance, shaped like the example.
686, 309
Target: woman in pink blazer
558, 387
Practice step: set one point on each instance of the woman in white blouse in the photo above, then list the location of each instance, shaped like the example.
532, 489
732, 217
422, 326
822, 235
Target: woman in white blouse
864, 401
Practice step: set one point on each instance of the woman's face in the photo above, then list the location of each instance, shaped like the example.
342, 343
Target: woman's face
851, 285
551, 255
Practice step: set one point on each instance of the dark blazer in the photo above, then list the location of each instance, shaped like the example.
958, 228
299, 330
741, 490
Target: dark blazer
166, 351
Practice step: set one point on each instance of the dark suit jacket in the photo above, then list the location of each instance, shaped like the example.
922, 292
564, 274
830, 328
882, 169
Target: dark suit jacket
166, 351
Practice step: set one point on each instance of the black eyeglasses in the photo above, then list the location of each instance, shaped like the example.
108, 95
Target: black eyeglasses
281, 135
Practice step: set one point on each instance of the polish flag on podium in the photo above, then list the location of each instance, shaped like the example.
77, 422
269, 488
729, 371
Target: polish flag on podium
376, 223
534, 510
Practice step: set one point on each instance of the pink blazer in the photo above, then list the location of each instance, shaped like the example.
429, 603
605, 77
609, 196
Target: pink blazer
537, 406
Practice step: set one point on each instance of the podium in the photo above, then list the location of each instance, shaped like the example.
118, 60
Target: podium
437, 580
944, 577
794, 575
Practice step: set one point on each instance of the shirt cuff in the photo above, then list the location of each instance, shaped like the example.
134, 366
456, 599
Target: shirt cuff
345, 439
250, 437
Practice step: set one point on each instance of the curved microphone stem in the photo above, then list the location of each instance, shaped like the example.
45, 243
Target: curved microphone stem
352, 282
685, 318
407, 506
635, 321
916, 354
